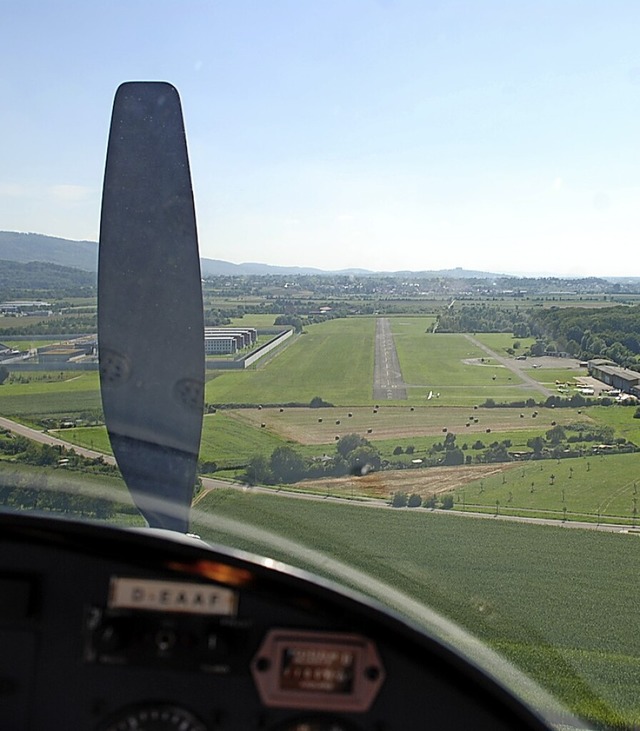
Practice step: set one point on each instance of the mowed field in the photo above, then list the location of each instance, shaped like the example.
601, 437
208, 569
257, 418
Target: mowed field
334, 360
380, 422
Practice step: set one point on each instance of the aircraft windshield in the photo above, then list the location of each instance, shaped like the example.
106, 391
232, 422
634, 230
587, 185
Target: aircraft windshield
420, 299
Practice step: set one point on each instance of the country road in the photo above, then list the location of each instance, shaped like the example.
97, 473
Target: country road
44, 438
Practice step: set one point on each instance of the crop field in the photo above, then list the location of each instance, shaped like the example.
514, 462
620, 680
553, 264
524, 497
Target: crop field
567, 613
90, 437
225, 440
78, 393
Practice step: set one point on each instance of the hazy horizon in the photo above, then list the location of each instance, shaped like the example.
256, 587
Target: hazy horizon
377, 134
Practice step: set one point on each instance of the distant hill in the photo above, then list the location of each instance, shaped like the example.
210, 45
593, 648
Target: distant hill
18, 278
26, 247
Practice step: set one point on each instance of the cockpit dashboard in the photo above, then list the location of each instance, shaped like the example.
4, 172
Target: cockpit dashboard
107, 629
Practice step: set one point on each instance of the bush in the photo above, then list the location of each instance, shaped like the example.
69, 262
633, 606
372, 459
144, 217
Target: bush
319, 403
447, 502
399, 500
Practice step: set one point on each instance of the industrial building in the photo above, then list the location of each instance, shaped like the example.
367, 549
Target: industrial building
613, 375
228, 340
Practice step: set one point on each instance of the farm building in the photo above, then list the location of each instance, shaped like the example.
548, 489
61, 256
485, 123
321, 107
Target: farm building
613, 375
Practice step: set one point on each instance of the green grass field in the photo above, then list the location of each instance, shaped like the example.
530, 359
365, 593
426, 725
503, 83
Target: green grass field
544, 596
451, 365
591, 488
333, 360
28, 402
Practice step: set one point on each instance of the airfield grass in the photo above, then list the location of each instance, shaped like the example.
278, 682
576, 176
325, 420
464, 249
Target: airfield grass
451, 367
332, 359
566, 613
550, 376
502, 342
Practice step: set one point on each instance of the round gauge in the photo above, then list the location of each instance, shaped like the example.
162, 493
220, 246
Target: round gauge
154, 717
316, 723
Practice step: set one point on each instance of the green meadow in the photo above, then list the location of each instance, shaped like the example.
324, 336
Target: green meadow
332, 359
593, 488
78, 392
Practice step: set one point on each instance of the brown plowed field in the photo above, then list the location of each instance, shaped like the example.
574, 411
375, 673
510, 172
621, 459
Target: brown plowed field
424, 482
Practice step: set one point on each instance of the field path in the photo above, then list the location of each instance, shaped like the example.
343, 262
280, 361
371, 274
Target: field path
508, 363
387, 376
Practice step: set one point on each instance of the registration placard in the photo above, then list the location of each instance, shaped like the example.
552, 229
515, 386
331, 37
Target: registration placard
171, 596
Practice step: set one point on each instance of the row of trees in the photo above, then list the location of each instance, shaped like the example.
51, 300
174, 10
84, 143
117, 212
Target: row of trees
354, 455
608, 332
25, 451
32, 491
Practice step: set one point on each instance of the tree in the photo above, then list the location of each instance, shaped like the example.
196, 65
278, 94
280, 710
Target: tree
556, 435
293, 320
399, 500
447, 502
258, 471
363, 459
286, 465
453, 457
318, 403
349, 442
414, 501
537, 445
4, 374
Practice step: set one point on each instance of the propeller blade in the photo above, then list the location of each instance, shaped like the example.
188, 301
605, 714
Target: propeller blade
150, 315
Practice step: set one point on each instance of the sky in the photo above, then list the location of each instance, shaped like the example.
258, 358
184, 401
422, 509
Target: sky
380, 134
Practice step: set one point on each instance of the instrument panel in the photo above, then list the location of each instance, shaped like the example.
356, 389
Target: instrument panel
111, 630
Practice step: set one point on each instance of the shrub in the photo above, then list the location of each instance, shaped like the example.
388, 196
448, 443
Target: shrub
399, 500
447, 502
